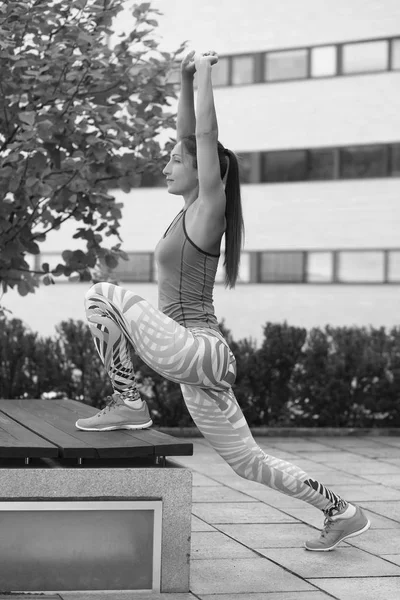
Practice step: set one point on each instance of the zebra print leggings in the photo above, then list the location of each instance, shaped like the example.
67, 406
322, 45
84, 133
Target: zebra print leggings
200, 360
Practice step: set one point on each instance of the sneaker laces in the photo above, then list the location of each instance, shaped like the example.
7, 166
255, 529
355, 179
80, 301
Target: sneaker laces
328, 522
111, 403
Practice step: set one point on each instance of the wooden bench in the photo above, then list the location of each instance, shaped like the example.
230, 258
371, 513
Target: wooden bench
89, 511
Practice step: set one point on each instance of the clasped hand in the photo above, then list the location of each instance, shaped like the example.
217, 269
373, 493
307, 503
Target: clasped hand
193, 60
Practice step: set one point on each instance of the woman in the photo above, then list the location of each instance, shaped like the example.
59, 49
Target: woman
182, 341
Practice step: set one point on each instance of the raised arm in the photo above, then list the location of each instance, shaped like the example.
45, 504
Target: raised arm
211, 189
186, 120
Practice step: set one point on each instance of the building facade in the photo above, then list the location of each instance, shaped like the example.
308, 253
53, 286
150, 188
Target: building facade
307, 94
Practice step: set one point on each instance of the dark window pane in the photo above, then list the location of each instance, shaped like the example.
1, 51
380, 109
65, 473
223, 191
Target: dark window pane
288, 165
362, 57
321, 163
245, 166
396, 53
281, 267
137, 268
395, 160
242, 69
290, 64
363, 161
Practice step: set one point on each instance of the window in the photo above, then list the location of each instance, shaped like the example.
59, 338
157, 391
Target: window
244, 268
361, 266
396, 53
137, 268
363, 161
395, 160
290, 64
319, 267
323, 61
321, 163
220, 72
242, 69
245, 160
288, 165
281, 267
394, 265
363, 57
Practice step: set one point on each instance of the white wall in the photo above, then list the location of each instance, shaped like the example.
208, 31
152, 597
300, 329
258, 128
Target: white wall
237, 26
360, 109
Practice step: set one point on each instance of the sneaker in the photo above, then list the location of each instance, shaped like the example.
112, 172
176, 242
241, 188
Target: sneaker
336, 530
117, 415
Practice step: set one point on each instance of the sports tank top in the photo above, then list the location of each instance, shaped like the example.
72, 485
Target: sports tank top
186, 276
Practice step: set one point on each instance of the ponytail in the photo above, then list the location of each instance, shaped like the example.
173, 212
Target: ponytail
234, 233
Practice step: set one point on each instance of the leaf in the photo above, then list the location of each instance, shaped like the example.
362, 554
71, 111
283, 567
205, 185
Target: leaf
23, 288
27, 117
111, 261
48, 280
45, 267
74, 278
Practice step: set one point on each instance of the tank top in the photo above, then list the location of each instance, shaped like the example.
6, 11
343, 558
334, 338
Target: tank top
186, 277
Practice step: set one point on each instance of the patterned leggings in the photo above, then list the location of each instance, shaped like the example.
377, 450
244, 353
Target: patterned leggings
200, 360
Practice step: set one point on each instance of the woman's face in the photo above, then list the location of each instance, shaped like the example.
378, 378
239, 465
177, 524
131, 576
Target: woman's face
180, 173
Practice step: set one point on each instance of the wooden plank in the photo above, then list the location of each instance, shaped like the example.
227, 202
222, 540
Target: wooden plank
56, 423
164, 444
36, 423
18, 442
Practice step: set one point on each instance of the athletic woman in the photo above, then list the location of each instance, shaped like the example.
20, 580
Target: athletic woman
182, 340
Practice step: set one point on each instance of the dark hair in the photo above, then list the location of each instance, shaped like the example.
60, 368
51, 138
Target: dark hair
233, 208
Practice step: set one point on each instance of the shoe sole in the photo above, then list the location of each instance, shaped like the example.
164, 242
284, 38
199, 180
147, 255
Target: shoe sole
346, 537
114, 427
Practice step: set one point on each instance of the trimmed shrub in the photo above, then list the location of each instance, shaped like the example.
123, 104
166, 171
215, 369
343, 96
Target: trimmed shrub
336, 376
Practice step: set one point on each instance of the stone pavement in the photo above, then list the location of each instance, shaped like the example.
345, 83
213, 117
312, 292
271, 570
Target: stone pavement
247, 540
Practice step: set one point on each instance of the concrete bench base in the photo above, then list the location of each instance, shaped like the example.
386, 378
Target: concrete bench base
46, 484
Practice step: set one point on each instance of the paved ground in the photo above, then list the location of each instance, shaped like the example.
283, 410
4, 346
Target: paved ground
247, 540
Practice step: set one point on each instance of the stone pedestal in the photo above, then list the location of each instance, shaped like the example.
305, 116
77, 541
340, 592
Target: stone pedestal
78, 521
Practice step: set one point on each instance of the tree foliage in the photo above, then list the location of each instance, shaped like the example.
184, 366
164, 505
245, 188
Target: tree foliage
78, 119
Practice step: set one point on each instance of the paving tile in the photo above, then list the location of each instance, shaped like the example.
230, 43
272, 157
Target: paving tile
242, 576
356, 493
390, 509
217, 545
239, 512
308, 514
282, 535
382, 452
308, 595
379, 522
199, 525
200, 480
299, 445
364, 588
391, 480
342, 562
276, 499
371, 467
332, 458
219, 494
378, 541
395, 558
114, 596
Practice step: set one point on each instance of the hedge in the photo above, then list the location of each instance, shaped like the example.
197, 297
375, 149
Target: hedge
324, 377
